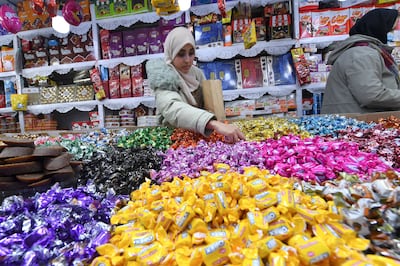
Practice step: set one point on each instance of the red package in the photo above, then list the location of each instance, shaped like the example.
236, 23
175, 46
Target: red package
301, 66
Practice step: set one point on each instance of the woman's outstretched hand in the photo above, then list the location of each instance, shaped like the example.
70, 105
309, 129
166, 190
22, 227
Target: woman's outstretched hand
231, 132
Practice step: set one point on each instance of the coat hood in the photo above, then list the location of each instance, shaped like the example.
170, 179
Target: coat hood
161, 75
340, 47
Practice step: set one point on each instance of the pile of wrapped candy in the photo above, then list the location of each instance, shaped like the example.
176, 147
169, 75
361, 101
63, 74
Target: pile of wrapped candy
321, 190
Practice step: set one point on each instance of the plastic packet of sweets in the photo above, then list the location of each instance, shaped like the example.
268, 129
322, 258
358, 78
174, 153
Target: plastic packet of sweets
265, 199
184, 215
108, 249
184, 239
313, 251
267, 245
251, 257
286, 197
197, 225
270, 214
281, 229
164, 220
152, 254
140, 238
217, 234
216, 254
240, 233
221, 201
256, 186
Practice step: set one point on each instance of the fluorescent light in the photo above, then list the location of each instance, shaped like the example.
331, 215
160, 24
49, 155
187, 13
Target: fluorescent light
184, 4
59, 24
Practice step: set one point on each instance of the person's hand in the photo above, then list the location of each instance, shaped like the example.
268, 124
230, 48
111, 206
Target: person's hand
231, 132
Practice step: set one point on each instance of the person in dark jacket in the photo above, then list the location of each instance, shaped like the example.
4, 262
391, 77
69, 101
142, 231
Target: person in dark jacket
364, 76
176, 83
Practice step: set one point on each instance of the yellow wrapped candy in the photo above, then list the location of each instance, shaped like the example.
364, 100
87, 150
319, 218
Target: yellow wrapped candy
184, 239
152, 254
251, 257
265, 200
217, 234
108, 250
183, 217
312, 251
216, 254
268, 245
144, 237
101, 261
281, 229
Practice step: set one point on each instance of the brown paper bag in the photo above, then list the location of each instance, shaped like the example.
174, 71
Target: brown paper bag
213, 98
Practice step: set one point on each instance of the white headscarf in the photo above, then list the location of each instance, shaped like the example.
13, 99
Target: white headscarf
175, 41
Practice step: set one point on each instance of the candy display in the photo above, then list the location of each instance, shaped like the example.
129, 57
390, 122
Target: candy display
58, 227
109, 169
226, 218
315, 190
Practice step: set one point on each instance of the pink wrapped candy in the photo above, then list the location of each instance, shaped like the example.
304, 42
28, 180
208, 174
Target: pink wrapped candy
72, 13
9, 19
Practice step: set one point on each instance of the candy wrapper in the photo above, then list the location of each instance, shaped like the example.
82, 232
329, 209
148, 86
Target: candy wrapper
301, 66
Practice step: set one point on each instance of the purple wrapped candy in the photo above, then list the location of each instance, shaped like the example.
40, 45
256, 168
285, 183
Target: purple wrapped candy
59, 227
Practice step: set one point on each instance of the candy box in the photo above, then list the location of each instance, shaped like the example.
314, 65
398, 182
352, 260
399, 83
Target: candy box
139, 6
121, 7
209, 35
179, 21
129, 43
104, 8
147, 120
155, 41
249, 73
116, 44
281, 68
340, 21
142, 41
321, 23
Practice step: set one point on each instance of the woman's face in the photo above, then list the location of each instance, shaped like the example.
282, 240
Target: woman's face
183, 61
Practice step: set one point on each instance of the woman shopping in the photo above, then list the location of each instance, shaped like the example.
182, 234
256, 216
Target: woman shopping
176, 83
364, 76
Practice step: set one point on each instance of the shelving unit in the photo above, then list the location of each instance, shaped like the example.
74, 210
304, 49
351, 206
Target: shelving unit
273, 47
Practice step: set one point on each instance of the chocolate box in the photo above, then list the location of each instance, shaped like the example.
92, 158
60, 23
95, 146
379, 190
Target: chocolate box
139, 6
116, 44
129, 40
209, 35
250, 72
155, 41
142, 41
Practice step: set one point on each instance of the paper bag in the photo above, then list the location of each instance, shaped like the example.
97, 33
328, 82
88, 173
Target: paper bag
213, 98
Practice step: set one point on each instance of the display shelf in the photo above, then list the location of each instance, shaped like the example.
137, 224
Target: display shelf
255, 93
323, 42
274, 47
207, 54
129, 60
9, 74
202, 10
61, 69
6, 39
84, 106
111, 23
315, 87
130, 103
6, 110
84, 27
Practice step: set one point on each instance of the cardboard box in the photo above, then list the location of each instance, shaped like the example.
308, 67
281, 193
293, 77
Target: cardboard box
372, 117
213, 99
